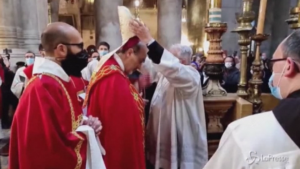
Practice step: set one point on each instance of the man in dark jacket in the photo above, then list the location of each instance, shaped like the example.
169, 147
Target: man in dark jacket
10, 99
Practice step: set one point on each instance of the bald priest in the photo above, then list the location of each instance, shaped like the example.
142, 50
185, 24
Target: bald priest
48, 129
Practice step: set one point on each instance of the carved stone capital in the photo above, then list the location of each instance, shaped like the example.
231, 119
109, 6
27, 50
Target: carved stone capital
215, 109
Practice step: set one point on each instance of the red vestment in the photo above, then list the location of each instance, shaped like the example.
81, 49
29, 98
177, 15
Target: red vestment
28, 71
43, 132
80, 86
113, 99
2, 79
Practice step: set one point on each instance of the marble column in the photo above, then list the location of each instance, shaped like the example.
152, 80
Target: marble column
42, 13
34, 15
54, 6
8, 31
197, 11
107, 22
169, 22
18, 22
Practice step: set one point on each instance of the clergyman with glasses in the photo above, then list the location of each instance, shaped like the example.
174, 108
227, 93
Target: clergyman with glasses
270, 139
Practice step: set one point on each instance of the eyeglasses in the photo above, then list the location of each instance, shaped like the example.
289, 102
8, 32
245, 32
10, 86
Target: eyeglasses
79, 45
270, 63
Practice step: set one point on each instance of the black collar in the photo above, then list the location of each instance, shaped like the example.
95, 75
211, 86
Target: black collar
287, 113
295, 94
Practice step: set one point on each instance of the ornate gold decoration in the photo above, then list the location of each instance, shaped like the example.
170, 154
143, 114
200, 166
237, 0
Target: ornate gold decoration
137, 4
244, 28
103, 72
255, 82
75, 123
214, 66
111, 69
30, 81
294, 20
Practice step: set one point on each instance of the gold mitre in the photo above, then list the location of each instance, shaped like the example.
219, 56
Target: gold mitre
125, 17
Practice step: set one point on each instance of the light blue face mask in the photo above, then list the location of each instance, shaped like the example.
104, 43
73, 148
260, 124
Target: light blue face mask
103, 52
275, 90
29, 61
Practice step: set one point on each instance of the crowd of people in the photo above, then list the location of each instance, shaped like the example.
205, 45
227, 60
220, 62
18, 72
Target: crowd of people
138, 106
231, 75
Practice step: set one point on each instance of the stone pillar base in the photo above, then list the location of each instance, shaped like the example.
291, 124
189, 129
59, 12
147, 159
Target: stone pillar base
31, 40
8, 37
214, 88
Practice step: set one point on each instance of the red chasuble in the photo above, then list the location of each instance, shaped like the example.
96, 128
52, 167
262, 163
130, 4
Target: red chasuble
43, 132
113, 99
28, 71
2, 79
80, 86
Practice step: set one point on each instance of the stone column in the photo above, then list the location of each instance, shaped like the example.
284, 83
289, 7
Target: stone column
169, 22
8, 31
34, 18
54, 6
107, 22
18, 22
196, 20
42, 15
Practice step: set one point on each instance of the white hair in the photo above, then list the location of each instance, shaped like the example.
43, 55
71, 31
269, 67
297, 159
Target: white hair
182, 51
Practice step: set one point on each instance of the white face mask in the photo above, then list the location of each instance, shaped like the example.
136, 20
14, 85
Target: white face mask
228, 64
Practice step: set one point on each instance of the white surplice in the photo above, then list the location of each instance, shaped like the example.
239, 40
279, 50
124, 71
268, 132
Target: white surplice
17, 86
176, 130
87, 72
255, 142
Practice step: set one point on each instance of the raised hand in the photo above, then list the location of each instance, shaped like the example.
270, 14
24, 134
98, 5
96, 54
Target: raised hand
141, 31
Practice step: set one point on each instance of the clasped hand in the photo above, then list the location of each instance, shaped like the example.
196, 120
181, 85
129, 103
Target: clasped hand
94, 123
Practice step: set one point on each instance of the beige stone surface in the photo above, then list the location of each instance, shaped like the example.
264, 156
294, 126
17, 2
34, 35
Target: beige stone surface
107, 22
169, 22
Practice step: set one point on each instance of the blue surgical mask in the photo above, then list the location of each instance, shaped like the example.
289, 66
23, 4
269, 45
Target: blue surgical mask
102, 52
275, 90
29, 61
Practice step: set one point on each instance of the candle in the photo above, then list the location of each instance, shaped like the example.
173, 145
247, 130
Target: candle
262, 15
247, 5
215, 11
216, 4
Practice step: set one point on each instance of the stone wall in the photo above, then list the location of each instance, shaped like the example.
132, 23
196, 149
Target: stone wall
148, 16
229, 39
275, 25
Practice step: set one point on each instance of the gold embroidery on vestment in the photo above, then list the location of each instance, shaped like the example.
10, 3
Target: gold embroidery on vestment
75, 123
107, 70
